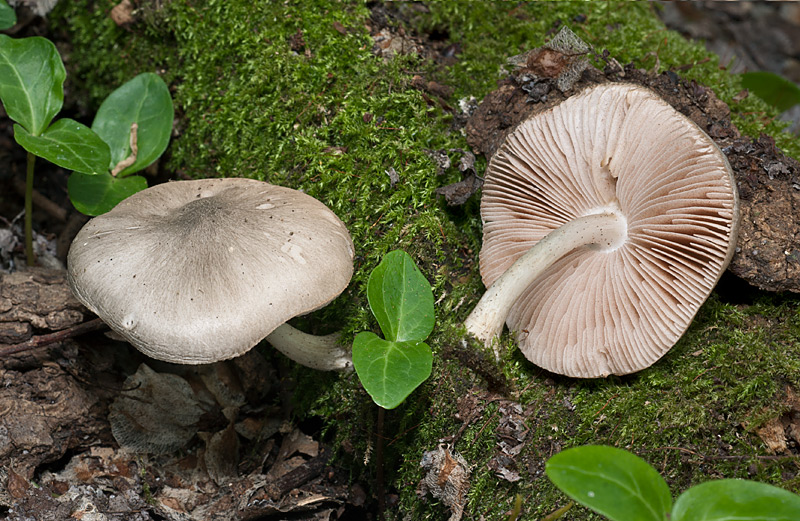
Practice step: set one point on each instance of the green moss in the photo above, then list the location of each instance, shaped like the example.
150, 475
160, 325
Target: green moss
628, 30
331, 118
100, 56
692, 415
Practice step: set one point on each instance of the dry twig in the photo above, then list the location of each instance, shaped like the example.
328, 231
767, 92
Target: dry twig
52, 338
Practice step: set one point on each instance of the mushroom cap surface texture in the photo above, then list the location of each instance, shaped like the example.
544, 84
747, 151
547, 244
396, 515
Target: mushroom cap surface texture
613, 148
195, 272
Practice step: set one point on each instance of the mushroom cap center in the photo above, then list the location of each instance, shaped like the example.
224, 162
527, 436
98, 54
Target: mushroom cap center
197, 217
613, 238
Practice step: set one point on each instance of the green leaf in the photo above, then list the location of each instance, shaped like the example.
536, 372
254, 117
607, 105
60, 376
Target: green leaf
401, 298
735, 499
7, 15
31, 81
402, 301
390, 371
97, 194
68, 144
612, 482
144, 100
772, 88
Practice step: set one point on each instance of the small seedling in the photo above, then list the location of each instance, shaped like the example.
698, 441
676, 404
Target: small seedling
623, 487
401, 299
138, 115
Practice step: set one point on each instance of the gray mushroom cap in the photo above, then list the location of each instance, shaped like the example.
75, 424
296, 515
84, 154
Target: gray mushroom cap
195, 272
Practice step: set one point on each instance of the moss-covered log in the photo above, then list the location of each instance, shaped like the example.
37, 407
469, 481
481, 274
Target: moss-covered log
295, 93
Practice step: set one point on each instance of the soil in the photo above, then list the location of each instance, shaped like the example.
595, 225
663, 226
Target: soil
235, 457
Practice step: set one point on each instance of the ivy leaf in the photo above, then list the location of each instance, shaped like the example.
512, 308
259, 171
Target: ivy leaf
7, 16
97, 194
612, 482
31, 81
772, 88
146, 101
390, 371
728, 499
68, 144
401, 298
402, 301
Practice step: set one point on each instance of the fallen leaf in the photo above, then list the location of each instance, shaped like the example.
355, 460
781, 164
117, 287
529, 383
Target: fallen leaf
562, 59
157, 414
393, 176
222, 455
459, 192
772, 435
16, 485
447, 479
741, 95
122, 13
441, 159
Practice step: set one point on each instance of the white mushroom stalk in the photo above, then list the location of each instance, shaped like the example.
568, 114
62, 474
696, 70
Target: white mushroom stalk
324, 353
603, 230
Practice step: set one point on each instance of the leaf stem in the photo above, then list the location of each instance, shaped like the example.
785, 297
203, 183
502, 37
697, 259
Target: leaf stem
31, 259
379, 462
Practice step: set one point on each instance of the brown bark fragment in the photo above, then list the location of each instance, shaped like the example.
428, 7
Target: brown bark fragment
40, 297
43, 413
15, 332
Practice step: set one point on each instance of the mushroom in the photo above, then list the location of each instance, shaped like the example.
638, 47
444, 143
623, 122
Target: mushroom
607, 221
195, 272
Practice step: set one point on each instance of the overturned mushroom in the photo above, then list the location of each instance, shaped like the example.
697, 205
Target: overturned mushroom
607, 222
195, 272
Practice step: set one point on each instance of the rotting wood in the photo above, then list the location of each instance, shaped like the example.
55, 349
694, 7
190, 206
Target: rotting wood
299, 476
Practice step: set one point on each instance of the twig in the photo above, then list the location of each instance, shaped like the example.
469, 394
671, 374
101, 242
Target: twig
376, 222
131, 159
30, 256
399, 436
704, 371
52, 338
485, 424
299, 476
606, 405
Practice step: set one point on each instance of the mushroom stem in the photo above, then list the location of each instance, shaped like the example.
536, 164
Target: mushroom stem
606, 230
317, 352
